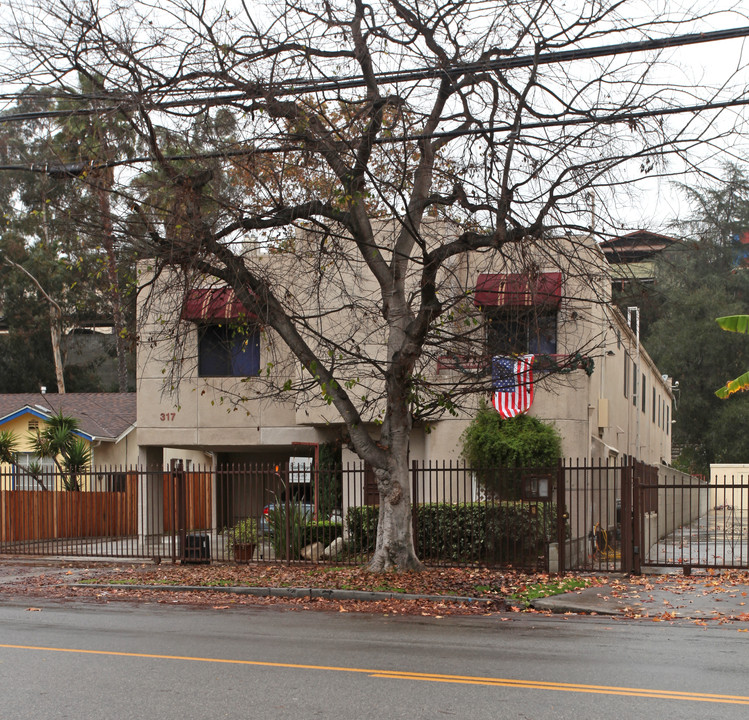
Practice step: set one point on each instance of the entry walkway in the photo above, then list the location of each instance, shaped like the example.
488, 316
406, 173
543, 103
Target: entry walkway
720, 538
144, 547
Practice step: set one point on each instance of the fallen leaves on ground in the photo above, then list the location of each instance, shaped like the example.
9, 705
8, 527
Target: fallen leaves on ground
506, 590
493, 587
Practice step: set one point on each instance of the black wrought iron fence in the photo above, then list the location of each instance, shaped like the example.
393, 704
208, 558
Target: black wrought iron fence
272, 513
604, 516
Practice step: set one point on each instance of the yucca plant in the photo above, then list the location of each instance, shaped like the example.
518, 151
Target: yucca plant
287, 529
8, 446
8, 454
58, 440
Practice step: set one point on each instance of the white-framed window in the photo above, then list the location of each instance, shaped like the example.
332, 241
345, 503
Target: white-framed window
24, 480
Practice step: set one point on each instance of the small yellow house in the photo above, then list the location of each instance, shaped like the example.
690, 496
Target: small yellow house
106, 421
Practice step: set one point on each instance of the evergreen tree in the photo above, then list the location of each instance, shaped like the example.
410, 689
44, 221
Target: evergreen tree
55, 254
697, 282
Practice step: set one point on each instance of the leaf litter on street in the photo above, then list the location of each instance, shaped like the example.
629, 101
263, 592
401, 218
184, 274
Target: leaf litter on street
497, 591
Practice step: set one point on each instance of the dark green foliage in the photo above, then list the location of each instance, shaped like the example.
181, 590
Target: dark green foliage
296, 525
362, 528
493, 442
509, 532
26, 359
53, 230
331, 481
58, 440
698, 282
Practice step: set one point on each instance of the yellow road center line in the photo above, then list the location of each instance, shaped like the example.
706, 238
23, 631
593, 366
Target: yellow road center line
422, 677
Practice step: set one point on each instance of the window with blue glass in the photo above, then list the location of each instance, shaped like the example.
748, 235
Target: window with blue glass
228, 351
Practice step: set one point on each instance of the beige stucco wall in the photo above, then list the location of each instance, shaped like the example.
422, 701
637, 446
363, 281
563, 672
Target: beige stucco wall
629, 430
185, 412
572, 401
734, 475
178, 409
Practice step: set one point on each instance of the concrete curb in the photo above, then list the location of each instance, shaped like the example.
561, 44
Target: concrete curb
294, 592
559, 604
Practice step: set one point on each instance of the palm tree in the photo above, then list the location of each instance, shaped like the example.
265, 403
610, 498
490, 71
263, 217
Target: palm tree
739, 324
59, 441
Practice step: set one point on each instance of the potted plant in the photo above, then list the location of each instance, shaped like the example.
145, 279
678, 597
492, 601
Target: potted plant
243, 539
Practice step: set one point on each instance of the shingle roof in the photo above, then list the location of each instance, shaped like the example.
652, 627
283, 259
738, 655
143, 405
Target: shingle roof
103, 415
634, 246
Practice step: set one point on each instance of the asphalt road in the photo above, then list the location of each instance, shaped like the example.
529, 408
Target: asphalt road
154, 661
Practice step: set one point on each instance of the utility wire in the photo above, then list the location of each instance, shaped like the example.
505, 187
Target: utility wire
60, 169
301, 86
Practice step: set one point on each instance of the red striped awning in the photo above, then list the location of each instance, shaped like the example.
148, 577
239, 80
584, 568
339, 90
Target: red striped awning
517, 290
214, 304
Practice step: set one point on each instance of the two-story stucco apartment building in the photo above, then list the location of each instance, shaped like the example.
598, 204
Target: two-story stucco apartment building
610, 401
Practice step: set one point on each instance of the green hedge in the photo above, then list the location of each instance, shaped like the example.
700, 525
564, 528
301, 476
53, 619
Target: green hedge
362, 528
467, 532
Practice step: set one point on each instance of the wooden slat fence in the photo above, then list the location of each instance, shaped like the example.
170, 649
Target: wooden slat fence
34, 515
198, 507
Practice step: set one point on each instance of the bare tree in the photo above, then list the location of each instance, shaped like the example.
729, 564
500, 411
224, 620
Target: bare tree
379, 154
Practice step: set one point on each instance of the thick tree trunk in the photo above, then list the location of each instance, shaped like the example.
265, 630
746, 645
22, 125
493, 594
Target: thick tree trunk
395, 542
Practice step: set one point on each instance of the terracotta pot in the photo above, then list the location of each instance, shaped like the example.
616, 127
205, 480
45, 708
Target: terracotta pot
243, 552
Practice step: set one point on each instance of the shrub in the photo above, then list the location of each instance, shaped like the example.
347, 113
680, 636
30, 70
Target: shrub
507, 532
297, 522
491, 441
362, 528
243, 532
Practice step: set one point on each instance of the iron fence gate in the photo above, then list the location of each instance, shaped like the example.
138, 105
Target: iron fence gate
609, 517
697, 524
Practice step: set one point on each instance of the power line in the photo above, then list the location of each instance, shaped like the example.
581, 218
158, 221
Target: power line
301, 86
74, 169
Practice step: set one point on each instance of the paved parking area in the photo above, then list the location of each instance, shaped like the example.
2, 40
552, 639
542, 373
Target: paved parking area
720, 538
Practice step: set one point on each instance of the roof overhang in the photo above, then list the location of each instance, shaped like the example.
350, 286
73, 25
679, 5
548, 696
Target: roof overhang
44, 415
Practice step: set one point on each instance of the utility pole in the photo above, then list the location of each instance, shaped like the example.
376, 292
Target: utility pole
634, 313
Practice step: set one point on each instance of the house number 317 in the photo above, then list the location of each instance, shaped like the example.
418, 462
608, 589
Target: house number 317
167, 417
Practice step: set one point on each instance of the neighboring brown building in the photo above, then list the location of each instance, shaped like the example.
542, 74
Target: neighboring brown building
631, 256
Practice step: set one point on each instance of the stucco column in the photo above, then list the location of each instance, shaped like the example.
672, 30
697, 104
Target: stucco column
150, 492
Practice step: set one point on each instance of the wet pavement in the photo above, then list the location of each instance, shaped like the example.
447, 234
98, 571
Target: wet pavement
709, 597
718, 538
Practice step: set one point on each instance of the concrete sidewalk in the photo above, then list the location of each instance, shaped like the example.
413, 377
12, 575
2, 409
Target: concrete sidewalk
668, 597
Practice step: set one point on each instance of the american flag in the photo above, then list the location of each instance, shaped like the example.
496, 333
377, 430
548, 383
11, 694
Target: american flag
512, 379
